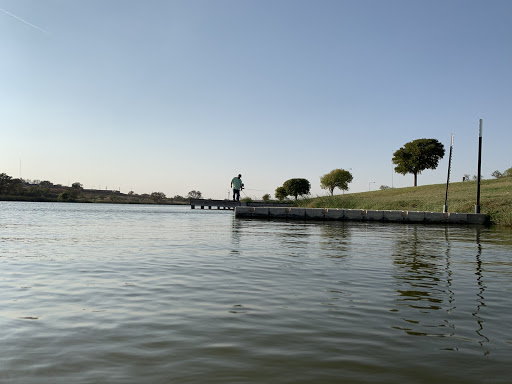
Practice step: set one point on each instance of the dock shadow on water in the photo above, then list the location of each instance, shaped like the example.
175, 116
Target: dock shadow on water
130, 294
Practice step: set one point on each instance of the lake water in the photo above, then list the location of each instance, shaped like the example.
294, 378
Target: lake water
94, 293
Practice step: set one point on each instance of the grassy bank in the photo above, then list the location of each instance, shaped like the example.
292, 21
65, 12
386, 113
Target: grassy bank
495, 199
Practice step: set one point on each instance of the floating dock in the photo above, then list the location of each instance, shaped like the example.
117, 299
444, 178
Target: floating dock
333, 214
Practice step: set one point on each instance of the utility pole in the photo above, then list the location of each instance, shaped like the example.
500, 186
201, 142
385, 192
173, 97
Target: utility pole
477, 206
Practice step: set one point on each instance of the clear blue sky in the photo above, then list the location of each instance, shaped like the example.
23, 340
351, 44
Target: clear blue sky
175, 96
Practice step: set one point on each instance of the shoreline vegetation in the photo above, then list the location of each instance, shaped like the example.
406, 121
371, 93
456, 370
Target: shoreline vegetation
495, 199
113, 197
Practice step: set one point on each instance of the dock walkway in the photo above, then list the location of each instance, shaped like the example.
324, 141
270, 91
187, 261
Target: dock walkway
230, 204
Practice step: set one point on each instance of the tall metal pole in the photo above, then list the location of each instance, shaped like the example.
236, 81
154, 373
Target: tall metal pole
477, 206
445, 208
392, 172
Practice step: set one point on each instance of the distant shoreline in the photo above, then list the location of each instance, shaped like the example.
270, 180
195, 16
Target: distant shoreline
30, 199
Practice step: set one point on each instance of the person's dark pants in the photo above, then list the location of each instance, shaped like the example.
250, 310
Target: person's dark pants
236, 194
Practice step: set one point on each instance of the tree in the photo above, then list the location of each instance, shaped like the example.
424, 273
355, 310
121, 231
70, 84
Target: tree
157, 196
297, 187
194, 195
497, 174
16, 187
508, 172
76, 190
5, 181
418, 155
383, 187
46, 184
281, 193
65, 195
337, 178
37, 191
266, 197
10, 186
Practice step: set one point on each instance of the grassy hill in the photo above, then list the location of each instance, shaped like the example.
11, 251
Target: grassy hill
495, 199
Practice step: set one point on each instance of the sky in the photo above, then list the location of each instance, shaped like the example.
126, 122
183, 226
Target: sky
179, 95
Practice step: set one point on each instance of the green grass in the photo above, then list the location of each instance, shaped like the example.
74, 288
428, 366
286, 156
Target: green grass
495, 199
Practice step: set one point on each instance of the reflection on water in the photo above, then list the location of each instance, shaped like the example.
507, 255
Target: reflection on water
336, 239
129, 294
420, 270
428, 299
480, 293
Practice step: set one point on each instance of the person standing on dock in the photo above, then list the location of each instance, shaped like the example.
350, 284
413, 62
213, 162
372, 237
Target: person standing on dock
237, 185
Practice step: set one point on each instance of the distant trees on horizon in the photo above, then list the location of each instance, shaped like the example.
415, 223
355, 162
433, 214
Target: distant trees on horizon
47, 191
194, 194
10, 186
507, 173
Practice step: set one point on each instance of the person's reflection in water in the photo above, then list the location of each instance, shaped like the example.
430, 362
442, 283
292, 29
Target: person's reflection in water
236, 235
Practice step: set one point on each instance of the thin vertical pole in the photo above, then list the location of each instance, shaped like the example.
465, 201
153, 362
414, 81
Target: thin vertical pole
392, 172
445, 208
477, 206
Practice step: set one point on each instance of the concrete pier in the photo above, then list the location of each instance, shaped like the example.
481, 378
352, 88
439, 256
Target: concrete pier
330, 214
